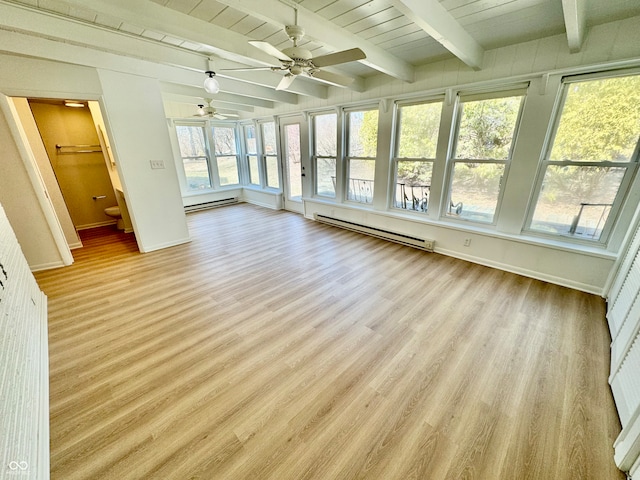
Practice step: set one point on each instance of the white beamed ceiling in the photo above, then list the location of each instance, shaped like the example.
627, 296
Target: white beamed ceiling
396, 35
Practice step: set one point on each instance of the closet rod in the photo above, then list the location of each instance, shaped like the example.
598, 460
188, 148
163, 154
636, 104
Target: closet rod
79, 148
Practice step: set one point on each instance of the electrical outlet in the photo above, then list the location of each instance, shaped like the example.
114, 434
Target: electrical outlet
157, 164
467, 242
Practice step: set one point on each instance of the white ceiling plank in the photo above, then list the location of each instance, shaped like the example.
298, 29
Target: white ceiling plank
370, 32
184, 6
434, 19
327, 32
151, 16
228, 17
575, 22
72, 33
367, 10
384, 17
207, 11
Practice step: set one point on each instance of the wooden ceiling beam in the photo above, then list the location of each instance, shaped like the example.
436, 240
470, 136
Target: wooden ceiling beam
575, 22
436, 21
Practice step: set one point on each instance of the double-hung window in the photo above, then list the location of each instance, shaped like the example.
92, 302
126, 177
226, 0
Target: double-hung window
226, 155
195, 160
325, 148
486, 128
270, 154
591, 158
362, 144
251, 152
415, 151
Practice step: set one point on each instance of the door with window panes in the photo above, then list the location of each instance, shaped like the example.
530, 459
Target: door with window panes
293, 168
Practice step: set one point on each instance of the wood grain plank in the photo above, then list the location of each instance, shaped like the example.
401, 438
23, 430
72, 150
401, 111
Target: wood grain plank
273, 347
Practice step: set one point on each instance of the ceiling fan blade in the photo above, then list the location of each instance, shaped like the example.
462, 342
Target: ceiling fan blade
286, 82
332, 78
271, 50
245, 69
218, 116
344, 56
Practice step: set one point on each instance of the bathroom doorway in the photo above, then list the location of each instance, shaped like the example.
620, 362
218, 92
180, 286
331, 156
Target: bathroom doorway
82, 169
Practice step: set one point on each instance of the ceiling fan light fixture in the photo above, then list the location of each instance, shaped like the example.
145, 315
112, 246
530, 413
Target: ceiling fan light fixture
200, 110
211, 85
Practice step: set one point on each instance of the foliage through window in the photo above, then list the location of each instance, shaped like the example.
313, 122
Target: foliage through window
325, 148
251, 148
417, 139
226, 155
486, 129
361, 154
591, 159
270, 152
195, 161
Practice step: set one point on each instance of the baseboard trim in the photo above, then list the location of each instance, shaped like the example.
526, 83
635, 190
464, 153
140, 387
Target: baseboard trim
160, 246
46, 266
97, 224
583, 287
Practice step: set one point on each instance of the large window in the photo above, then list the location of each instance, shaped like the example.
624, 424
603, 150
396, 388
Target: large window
415, 151
325, 147
270, 153
251, 149
362, 142
591, 158
486, 129
195, 161
226, 155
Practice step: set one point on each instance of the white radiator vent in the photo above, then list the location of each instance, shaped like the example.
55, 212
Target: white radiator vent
212, 204
421, 243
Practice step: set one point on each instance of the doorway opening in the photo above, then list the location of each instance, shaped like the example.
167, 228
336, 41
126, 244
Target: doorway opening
78, 168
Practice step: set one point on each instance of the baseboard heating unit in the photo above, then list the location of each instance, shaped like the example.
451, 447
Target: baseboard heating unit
421, 243
211, 204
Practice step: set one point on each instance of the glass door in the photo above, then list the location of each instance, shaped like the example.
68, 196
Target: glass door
293, 169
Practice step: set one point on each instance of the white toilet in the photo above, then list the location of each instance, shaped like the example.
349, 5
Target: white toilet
114, 212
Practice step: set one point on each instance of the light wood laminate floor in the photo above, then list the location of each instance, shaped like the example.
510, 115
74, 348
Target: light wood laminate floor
273, 347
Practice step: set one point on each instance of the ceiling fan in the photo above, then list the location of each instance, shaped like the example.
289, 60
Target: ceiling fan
211, 112
297, 61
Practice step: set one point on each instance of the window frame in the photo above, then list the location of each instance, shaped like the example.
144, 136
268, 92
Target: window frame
214, 155
248, 154
396, 159
264, 156
203, 126
347, 157
315, 156
452, 160
631, 166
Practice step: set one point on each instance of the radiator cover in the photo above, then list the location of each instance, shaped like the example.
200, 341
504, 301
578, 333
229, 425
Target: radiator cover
415, 242
211, 204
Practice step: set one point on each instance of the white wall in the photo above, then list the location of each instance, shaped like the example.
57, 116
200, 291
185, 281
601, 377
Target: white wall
134, 113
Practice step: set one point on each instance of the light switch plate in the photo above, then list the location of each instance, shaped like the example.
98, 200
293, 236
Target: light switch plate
156, 164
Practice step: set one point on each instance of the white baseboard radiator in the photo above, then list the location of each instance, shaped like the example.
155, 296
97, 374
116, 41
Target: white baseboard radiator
421, 243
211, 204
